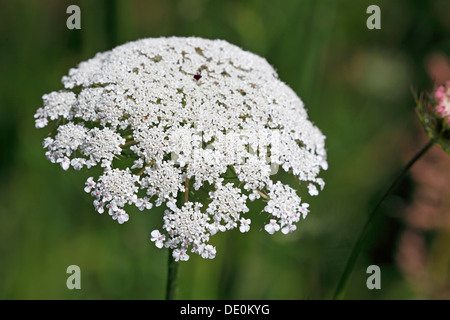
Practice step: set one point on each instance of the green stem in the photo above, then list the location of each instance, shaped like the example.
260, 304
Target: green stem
172, 271
339, 293
172, 265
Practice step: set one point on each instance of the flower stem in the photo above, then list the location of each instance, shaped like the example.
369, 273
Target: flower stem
172, 271
127, 143
262, 194
339, 293
172, 265
186, 190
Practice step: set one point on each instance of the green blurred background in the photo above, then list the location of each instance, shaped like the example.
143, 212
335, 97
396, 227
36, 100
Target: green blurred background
356, 84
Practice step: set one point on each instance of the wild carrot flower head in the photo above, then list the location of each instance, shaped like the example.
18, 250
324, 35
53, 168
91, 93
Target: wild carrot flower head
192, 117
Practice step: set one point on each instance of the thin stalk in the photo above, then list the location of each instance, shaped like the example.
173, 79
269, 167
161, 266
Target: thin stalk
262, 194
127, 143
172, 265
143, 169
172, 272
339, 293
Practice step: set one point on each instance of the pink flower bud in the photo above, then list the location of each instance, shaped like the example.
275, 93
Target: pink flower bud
442, 97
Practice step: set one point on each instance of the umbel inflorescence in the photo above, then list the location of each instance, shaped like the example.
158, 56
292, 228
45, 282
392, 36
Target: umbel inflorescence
192, 117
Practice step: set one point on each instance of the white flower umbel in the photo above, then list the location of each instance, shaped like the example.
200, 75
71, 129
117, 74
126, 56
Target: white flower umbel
186, 226
226, 208
199, 118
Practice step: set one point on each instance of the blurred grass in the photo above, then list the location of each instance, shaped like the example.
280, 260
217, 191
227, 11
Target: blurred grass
355, 84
